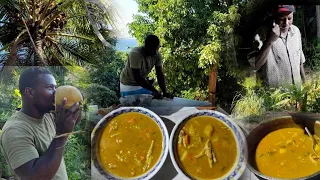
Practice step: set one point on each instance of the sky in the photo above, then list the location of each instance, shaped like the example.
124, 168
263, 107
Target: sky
125, 9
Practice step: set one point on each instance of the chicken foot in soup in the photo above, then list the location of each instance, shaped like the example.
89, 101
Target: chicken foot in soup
210, 154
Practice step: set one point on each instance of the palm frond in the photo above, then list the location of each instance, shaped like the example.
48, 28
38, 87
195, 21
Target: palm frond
77, 24
47, 23
70, 36
27, 7
44, 12
103, 10
55, 44
4, 22
33, 11
5, 47
3, 57
75, 16
72, 50
90, 14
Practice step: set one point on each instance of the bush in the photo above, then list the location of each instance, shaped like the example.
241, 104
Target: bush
255, 101
4, 168
101, 95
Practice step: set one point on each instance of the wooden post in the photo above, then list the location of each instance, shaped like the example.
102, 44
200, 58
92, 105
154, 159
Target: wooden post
213, 84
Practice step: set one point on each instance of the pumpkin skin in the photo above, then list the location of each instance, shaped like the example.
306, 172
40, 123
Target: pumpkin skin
72, 94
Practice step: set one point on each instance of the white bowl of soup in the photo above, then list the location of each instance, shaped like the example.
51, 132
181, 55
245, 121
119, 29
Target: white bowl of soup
129, 143
208, 145
280, 149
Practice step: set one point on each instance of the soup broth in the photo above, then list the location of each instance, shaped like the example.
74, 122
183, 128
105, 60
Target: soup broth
130, 145
207, 148
287, 153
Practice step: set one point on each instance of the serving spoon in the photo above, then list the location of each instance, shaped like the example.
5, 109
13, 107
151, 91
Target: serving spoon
313, 141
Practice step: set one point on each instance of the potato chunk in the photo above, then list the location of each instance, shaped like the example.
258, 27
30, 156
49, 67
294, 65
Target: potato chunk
208, 130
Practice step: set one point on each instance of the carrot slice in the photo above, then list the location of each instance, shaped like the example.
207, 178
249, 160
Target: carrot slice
186, 139
132, 120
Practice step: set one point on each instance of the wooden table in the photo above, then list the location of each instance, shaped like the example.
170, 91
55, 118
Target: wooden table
170, 115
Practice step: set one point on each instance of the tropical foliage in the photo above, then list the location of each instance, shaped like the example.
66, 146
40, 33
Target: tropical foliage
53, 32
255, 100
198, 37
194, 38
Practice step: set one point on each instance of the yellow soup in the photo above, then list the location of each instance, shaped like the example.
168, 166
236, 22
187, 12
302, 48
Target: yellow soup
130, 145
207, 148
287, 153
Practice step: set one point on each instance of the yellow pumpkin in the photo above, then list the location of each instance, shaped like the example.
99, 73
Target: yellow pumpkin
72, 94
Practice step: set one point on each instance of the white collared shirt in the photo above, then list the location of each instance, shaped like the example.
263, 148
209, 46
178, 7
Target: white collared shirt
284, 59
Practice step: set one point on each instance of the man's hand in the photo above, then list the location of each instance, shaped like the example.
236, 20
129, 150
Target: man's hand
157, 95
66, 119
275, 33
168, 95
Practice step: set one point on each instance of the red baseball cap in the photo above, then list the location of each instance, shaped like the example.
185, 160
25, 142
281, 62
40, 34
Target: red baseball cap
284, 8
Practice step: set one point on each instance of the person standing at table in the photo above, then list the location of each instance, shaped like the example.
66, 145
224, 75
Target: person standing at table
141, 60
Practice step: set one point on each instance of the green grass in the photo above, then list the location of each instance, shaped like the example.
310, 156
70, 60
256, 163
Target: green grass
248, 105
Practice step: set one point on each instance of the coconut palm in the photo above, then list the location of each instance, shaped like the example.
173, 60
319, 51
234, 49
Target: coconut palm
52, 32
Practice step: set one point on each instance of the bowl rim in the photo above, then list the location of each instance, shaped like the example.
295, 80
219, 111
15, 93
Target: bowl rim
108, 117
239, 167
258, 173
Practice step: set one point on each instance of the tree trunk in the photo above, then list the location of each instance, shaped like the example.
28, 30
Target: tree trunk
39, 55
38, 46
212, 84
318, 21
38, 43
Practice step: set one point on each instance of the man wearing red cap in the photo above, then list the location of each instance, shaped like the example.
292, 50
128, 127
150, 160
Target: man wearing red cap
278, 57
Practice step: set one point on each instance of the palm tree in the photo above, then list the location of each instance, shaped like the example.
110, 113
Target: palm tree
52, 32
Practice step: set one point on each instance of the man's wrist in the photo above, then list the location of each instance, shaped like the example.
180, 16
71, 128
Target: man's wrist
269, 42
60, 142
